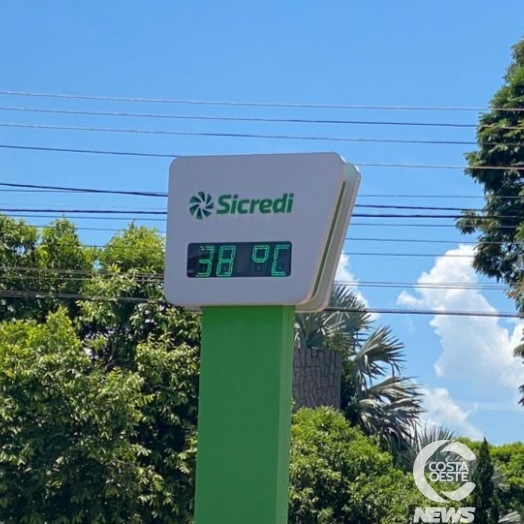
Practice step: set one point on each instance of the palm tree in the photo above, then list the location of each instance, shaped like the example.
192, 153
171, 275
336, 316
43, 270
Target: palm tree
374, 396
429, 433
511, 518
424, 435
519, 352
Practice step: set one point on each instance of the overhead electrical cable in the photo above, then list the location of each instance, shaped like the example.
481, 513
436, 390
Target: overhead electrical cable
172, 156
144, 218
158, 278
140, 300
140, 212
242, 135
212, 118
88, 151
305, 105
160, 194
85, 189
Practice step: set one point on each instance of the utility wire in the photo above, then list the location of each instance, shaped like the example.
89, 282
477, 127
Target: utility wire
163, 220
386, 311
89, 151
173, 155
120, 114
140, 212
245, 135
159, 278
254, 104
84, 189
159, 194
348, 239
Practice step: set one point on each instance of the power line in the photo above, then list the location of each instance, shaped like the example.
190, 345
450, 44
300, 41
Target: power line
242, 135
304, 105
87, 217
243, 118
388, 224
173, 155
88, 151
141, 212
159, 194
84, 189
384, 311
448, 285
447, 197
350, 239
158, 278
430, 241
120, 114
148, 219
409, 255
432, 312
427, 208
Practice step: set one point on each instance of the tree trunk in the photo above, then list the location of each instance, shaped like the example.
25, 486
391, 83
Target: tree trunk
317, 376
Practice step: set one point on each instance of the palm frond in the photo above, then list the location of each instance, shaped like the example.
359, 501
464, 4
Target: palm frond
394, 388
511, 518
379, 352
315, 330
423, 436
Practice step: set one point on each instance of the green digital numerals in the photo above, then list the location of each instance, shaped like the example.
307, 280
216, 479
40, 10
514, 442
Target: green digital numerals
242, 259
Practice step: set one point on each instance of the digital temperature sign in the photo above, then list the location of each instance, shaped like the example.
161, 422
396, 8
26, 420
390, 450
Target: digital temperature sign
256, 230
239, 259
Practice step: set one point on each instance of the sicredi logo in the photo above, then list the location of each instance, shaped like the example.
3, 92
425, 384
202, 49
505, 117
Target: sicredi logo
202, 205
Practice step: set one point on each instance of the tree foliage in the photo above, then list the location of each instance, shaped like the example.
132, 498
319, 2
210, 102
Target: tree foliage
66, 430
483, 496
508, 477
98, 397
498, 166
340, 475
83, 444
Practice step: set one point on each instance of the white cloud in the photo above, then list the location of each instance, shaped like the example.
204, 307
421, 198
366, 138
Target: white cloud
442, 410
344, 273
345, 276
476, 349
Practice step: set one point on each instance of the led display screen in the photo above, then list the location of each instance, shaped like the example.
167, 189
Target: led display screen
239, 259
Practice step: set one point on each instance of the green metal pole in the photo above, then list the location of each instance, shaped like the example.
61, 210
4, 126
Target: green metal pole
244, 415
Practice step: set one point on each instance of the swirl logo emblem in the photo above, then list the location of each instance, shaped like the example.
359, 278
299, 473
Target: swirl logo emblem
455, 470
201, 205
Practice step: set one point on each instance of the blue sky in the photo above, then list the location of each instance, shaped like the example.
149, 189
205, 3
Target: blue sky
380, 53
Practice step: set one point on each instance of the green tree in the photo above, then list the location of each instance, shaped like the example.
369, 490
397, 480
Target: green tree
131, 309
498, 166
339, 475
482, 497
66, 431
127, 331
34, 264
508, 478
508, 460
80, 443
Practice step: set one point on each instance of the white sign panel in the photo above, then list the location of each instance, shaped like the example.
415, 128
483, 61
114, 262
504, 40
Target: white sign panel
256, 229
